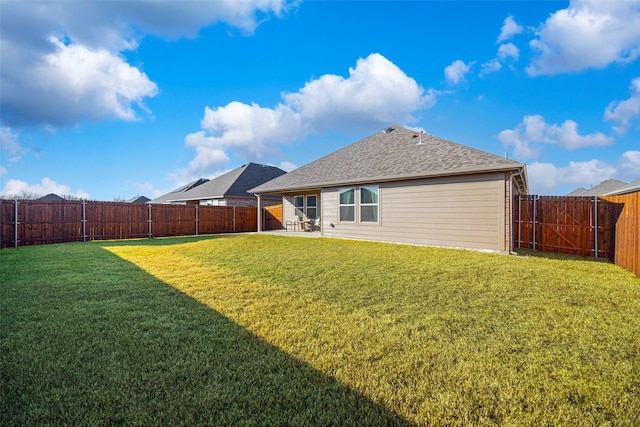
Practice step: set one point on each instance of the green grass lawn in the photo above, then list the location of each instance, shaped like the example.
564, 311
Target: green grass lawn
273, 330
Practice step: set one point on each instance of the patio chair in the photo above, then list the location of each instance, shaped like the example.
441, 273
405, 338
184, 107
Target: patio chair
315, 224
292, 224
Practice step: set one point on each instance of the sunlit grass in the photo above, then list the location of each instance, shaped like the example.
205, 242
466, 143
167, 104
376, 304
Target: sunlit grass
436, 336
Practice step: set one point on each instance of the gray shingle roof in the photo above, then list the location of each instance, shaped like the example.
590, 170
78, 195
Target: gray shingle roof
139, 199
165, 198
235, 183
51, 197
631, 187
604, 187
395, 153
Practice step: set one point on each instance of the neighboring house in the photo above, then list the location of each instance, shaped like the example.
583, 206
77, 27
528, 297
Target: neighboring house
631, 187
139, 199
231, 189
165, 198
403, 186
50, 198
604, 187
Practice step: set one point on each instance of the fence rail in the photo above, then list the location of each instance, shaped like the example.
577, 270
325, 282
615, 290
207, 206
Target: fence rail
37, 222
571, 225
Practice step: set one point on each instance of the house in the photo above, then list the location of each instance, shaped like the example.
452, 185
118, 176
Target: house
632, 187
230, 189
51, 197
400, 185
607, 186
166, 198
139, 199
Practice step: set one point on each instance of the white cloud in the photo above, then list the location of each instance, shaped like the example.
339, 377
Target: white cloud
287, 166
3, 171
456, 72
509, 29
74, 83
376, 93
585, 35
9, 141
15, 187
62, 61
545, 178
527, 136
508, 50
491, 66
627, 111
629, 165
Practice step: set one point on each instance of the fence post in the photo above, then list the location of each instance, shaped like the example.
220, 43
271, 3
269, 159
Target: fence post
234, 218
84, 221
595, 220
533, 225
149, 219
196, 219
15, 223
519, 223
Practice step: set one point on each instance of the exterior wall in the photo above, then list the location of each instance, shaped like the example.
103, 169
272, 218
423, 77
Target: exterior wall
465, 212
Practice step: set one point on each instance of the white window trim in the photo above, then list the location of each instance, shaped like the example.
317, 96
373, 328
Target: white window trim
355, 202
360, 205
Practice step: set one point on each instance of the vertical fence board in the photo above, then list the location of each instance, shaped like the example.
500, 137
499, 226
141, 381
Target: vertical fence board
626, 217
563, 224
62, 221
272, 217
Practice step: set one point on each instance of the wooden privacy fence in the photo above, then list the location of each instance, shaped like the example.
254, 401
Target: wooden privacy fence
272, 217
626, 208
571, 225
596, 227
34, 222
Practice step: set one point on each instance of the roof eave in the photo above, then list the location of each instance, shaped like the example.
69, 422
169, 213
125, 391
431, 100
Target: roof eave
405, 177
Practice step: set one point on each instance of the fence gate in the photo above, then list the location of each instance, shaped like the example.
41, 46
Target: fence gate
571, 225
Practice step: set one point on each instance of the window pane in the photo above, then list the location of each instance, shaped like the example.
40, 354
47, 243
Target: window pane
347, 213
347, 197
369, 195
312, 201
298, 201
311, 213
369, 213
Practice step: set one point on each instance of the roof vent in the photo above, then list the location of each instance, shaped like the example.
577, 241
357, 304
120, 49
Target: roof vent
389, 129
421, 142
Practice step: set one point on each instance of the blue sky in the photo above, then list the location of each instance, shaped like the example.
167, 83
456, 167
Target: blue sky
109, 100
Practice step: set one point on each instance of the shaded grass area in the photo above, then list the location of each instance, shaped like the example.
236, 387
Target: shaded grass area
274, 330
89, 339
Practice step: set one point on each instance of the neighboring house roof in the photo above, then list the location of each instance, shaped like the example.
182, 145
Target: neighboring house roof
50, 198
393, 154
235, 183
628, 188
604, 187
176, 193
139, 199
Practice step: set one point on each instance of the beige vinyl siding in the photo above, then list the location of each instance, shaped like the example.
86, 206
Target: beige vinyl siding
467, 212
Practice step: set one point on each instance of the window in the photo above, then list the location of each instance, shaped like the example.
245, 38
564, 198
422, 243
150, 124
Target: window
347, 204
312, 207
298, 202
369, 204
